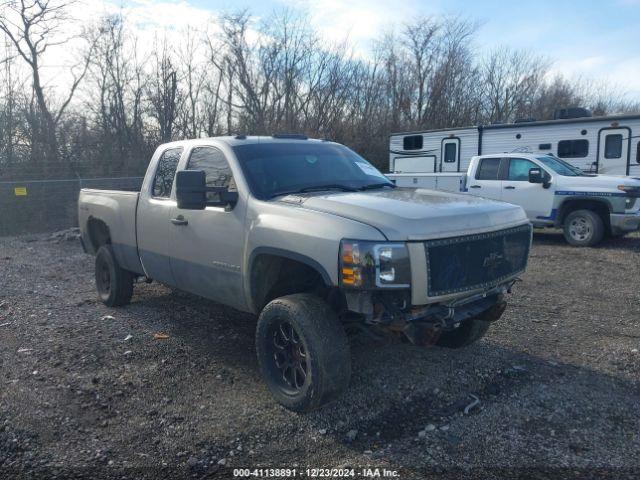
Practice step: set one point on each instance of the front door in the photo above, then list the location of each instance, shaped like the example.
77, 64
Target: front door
536, 200
486, 182
450, 155
613, 150
207, 245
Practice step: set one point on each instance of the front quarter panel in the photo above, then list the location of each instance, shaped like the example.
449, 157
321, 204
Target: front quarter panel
311, 236
589, 188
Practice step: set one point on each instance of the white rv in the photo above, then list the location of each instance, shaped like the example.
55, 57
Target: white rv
608, 145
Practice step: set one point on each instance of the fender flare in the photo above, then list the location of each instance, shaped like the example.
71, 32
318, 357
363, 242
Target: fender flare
562, 207
279, 252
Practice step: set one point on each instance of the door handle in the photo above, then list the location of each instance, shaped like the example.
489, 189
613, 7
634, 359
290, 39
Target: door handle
509, 187
475, 186
179, 220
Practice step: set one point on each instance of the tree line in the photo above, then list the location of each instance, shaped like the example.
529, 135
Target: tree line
243, 75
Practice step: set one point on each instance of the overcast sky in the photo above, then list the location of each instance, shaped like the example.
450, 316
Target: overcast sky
592, 39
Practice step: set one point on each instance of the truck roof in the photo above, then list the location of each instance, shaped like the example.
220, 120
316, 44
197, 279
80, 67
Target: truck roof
512, 154
233, 140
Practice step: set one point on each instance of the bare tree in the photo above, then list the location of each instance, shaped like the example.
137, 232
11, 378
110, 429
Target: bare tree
32, 27
194, 79
254, 76
421, 40
118, 78
511, 79
163, 91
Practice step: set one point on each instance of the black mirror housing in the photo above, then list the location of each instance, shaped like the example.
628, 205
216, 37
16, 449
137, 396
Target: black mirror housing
536, 175
191, 192
191, 189
229, 197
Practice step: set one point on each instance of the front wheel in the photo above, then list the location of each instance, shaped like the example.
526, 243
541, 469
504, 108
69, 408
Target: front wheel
114, 284
303, 352
583, 228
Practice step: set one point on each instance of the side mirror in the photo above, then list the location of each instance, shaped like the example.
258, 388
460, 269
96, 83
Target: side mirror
191, 189
536, 175
228, 198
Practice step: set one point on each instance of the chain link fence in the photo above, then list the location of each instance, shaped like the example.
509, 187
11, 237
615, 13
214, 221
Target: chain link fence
34, 206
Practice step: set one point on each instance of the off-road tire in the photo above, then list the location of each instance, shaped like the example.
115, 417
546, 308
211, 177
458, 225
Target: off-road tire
326, 351
469, 332
590, 221
114, 285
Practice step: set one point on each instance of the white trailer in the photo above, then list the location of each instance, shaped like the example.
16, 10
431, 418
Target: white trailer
607, 145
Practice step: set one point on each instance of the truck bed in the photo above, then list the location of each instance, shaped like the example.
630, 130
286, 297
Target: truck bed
448, 182
117, 209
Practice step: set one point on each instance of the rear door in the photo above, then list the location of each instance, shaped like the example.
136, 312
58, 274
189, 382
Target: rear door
486, 181
450, 155
536, 200
613, 150
153, 217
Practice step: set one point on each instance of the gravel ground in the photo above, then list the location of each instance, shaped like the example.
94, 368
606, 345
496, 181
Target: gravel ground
89, 391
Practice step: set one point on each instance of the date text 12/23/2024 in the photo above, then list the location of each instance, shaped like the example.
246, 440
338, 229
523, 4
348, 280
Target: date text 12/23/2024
315, 473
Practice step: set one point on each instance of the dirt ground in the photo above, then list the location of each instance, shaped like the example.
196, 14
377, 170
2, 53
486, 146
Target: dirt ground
88, 391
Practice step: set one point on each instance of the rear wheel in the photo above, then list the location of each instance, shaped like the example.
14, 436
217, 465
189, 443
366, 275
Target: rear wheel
583, 228
115, 285
303, 352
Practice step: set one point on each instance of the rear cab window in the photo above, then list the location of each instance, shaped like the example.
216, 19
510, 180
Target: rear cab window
488, 169
165, 173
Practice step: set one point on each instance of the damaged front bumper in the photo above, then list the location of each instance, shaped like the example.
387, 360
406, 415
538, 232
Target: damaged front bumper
442, 318
419, 323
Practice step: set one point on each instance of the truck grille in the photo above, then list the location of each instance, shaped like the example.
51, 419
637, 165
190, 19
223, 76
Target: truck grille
473, 262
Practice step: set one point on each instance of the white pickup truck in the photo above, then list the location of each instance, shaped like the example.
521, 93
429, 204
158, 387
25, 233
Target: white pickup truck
314, 240
552, 192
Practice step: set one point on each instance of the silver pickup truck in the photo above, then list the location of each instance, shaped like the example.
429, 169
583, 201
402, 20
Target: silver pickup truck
317, 242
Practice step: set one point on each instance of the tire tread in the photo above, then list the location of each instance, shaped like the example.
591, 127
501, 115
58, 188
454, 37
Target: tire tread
121, 281
598, 228
324, 331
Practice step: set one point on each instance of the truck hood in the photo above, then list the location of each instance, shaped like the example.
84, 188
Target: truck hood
595, 183
416, 214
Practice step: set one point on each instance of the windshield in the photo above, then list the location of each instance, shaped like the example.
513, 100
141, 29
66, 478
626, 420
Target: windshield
561, 167
279, 168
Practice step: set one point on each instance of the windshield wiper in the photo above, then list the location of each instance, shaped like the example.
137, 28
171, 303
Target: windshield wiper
377, 185
317, 188
320, 188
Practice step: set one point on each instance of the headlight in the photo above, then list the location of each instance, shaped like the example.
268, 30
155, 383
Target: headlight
370, 265
631, 189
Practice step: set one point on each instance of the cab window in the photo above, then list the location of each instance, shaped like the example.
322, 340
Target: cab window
519, 169
488, 169
165, 173
213, 162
